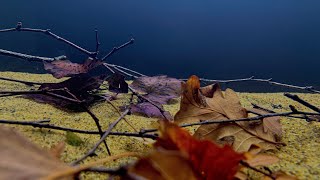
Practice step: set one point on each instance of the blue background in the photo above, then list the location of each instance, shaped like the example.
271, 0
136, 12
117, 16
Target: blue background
218, 39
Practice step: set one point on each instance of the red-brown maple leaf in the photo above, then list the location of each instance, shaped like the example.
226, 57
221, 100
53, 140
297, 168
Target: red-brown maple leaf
209, 160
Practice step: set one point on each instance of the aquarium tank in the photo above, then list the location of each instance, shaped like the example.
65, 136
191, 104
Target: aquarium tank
210, 89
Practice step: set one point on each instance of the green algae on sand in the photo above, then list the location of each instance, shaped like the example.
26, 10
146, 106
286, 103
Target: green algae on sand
299, 157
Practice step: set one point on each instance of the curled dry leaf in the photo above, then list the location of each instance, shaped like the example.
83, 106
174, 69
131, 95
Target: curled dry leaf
21, 159
63, 68
209, 103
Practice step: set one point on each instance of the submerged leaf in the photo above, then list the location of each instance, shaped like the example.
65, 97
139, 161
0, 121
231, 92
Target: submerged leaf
63, 68
20, 159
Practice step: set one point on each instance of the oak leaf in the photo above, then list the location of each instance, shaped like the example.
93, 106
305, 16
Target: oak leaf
209, 103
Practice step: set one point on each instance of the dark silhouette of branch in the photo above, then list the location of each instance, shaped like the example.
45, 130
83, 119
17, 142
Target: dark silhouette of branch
106, 133
306, 88
19, 28
43, 124
301, 101
97, 41
23, 122
245, 164
96, 120
28, 83
115, 49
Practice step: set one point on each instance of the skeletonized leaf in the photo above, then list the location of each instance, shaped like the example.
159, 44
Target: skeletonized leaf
20, 159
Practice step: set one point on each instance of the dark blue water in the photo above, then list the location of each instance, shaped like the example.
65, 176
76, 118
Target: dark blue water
222, 39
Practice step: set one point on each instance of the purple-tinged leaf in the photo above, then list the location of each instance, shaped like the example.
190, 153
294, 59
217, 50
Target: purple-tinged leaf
149, 110
62, 68
159, 89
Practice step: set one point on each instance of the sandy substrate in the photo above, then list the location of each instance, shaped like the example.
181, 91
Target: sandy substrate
300, 157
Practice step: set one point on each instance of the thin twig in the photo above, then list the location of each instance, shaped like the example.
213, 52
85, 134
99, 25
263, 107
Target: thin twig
96, 120
49, 33
245, 164
107, 132
255, 118
28, 83
306, 88
97, 42
115, 49
23, 122
25, 56
301, 101
43, 124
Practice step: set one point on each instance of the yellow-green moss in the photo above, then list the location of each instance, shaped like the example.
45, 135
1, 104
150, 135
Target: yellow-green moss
299, 157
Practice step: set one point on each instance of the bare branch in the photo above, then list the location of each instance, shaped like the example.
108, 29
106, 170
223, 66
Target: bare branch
115, 49
49, 33
28, 83
106, 133
301, 101
306, 88
25, 56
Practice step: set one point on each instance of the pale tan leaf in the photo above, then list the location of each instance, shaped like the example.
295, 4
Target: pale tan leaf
21, 159
271, 124
57, 150
262, 160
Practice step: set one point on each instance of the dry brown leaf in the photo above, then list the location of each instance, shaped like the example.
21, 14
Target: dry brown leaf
209, 103
20, 159
262, 160
57, 149
271, 124
162, 165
